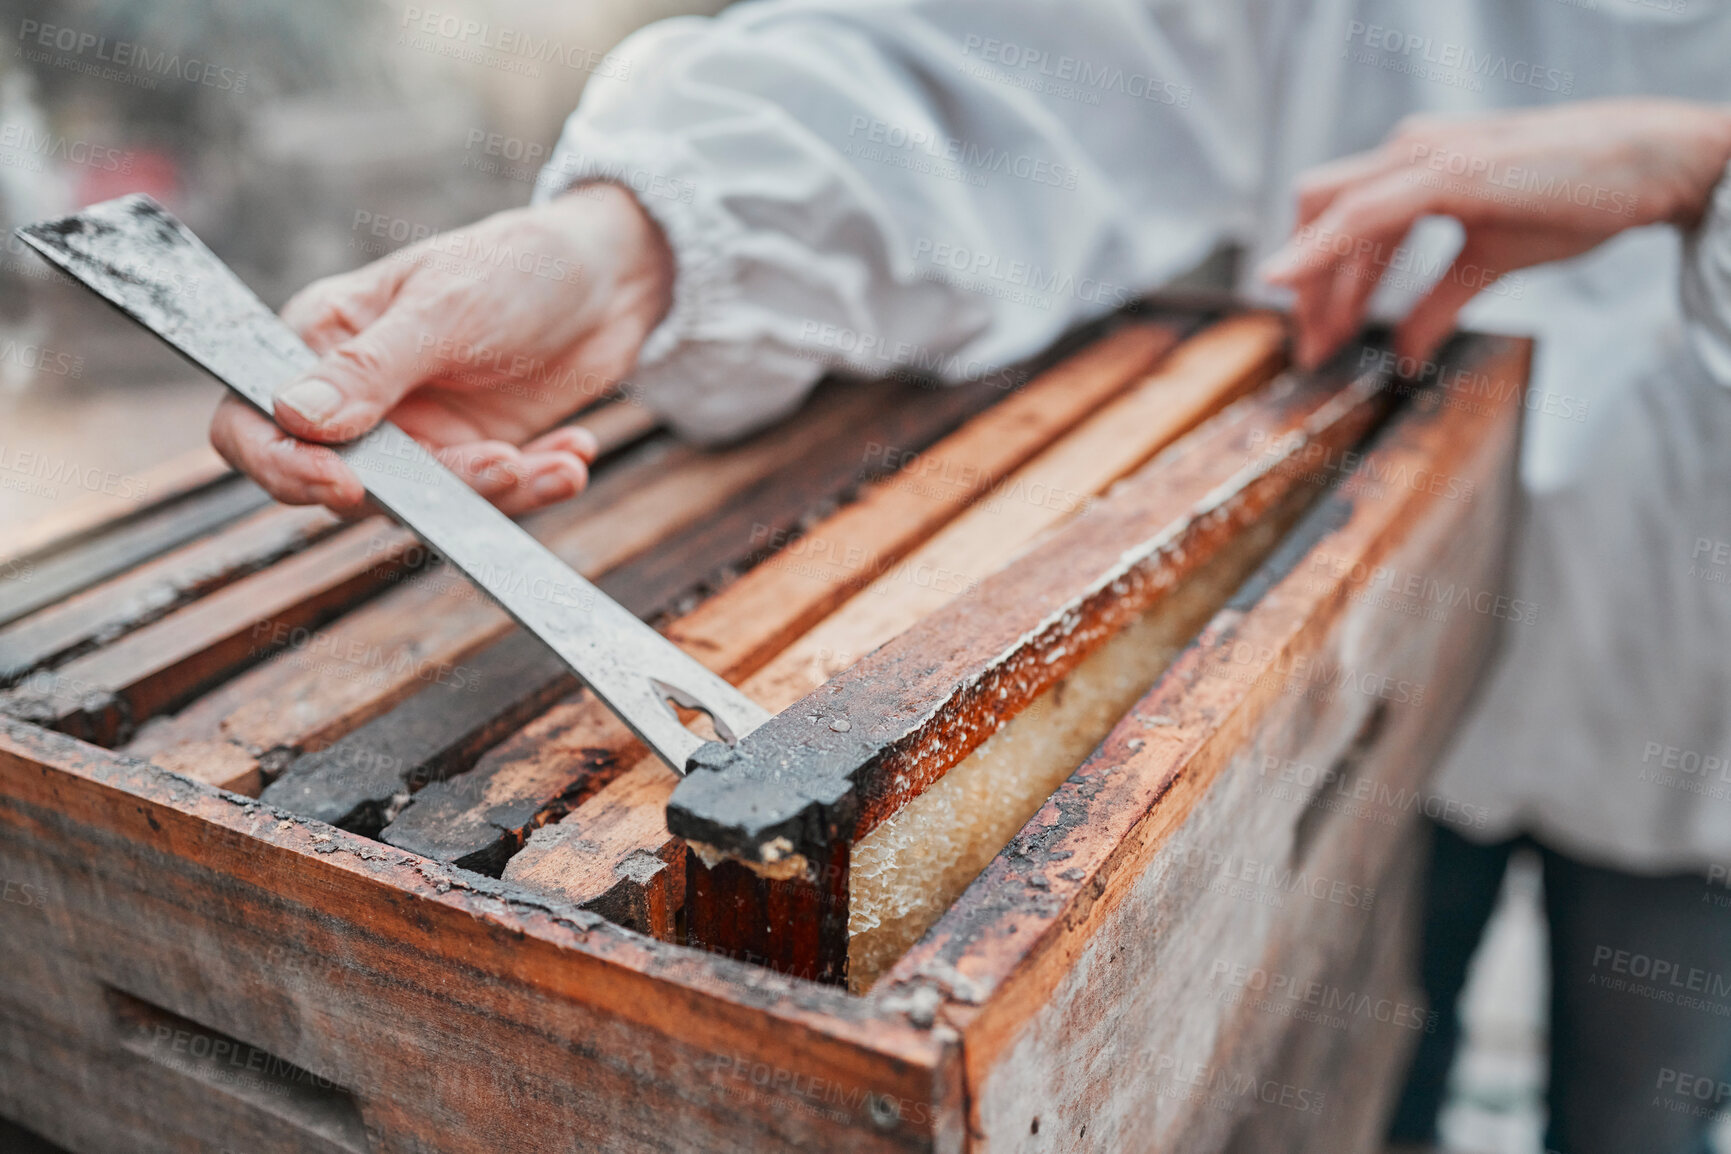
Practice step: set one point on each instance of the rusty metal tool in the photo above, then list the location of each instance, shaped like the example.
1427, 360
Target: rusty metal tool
139, 258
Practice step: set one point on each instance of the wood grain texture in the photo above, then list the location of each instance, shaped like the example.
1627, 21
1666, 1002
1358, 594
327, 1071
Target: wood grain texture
1365, 1016
103, 695
364, 779
481, 817
618, 863
1126, 888
898, 718
735, 804
1201, 377
1195, 380
85, 620
460, 1014
159, 656
1079, 995
42, 579
333, 679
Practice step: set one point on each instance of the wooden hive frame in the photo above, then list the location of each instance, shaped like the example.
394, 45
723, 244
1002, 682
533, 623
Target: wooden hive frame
459, 916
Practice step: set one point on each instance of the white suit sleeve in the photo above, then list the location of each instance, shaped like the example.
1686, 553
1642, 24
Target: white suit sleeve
930, 186
1707, 285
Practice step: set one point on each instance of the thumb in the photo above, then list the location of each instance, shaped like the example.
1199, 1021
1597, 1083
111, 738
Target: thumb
357, 382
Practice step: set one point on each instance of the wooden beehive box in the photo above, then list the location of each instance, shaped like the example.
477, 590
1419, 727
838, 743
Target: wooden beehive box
1185, 626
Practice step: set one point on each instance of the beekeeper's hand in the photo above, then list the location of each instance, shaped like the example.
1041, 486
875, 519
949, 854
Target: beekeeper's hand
1528, 187
474, 342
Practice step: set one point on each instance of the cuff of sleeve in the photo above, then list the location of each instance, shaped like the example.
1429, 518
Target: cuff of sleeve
1707, 284
708, 369
697, 229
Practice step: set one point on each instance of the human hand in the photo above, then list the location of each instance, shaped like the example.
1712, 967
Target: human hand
473, 342
1528, 187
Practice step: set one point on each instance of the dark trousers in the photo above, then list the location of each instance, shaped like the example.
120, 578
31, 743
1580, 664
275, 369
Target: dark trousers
1640, 1035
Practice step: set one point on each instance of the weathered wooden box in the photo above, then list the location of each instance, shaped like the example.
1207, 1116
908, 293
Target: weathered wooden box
456, 920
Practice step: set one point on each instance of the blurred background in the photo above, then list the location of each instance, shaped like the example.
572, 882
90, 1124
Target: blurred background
303, 137
297, 137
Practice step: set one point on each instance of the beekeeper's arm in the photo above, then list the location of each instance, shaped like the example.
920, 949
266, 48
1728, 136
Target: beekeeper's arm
742, 203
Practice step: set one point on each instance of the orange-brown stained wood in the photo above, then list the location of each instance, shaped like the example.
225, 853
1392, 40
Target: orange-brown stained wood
337, 677
198, 520
758, 617
369, 774
569, 753
826, 770
158, 660
552, 1027
1017, 934
102, 695
901, 716
357, 960
153, 589
619, 863
1202, 376
1195, 380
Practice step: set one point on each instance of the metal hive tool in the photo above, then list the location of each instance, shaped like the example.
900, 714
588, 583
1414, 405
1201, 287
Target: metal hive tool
139, 258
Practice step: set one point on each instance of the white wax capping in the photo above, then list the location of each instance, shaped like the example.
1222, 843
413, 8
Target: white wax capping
907, 871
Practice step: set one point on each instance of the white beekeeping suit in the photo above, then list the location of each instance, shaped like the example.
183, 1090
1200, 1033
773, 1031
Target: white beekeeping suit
949, 185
